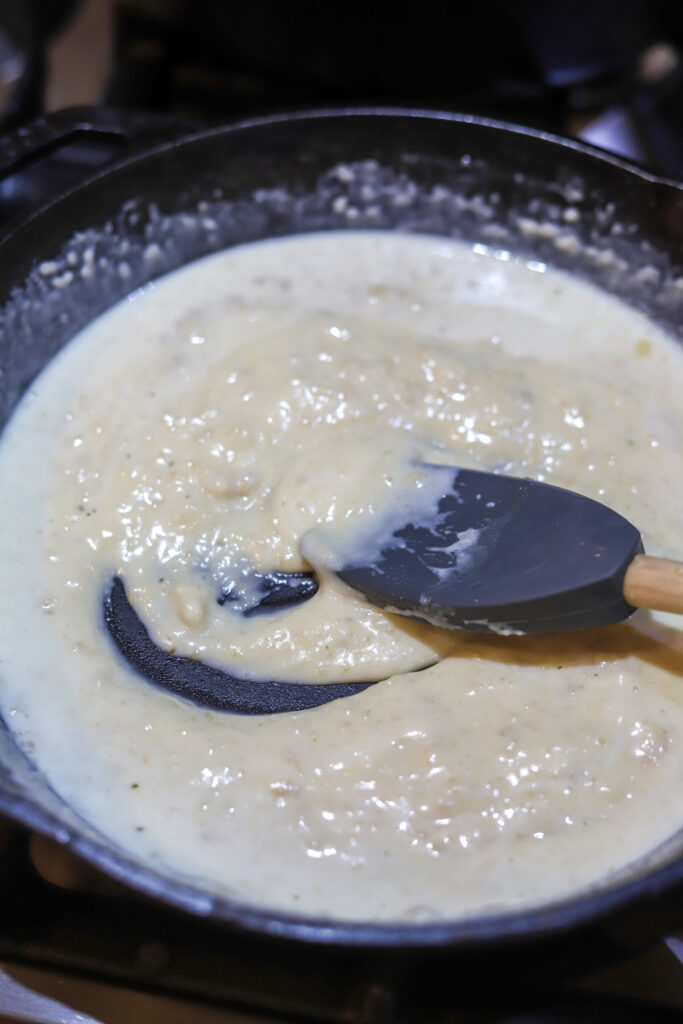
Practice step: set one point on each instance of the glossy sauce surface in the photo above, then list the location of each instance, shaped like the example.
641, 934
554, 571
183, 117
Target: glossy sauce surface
202, 430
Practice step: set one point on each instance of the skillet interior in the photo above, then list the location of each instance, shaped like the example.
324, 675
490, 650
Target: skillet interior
443, 174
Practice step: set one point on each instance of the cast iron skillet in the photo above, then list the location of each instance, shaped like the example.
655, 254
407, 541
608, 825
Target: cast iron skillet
167, 202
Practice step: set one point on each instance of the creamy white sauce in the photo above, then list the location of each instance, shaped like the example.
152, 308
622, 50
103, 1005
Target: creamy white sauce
213, 423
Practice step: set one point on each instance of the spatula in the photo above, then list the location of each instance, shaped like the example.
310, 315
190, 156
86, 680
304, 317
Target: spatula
495, 554
507, 555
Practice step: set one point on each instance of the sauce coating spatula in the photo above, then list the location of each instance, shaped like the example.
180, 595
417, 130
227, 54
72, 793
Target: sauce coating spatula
498, 555
508, 555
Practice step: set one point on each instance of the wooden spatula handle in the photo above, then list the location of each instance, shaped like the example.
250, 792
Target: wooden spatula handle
654, 583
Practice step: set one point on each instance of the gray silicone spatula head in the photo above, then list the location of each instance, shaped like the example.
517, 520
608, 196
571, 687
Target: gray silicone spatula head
500, 555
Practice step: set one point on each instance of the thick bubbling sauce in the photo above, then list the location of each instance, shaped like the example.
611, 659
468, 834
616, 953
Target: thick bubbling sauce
208, 425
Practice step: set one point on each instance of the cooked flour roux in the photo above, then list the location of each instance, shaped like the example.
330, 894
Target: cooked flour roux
211, 423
